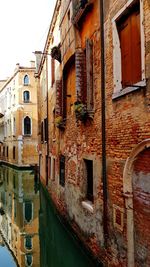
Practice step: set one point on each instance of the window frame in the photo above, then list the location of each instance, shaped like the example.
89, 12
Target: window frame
117, 71
30, 126
29, 100
24, 217
27, 236
24, 83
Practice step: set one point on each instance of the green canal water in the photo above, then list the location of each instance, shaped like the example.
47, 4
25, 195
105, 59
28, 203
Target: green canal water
31, 226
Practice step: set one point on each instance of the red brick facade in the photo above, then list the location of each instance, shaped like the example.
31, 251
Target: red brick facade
80, 140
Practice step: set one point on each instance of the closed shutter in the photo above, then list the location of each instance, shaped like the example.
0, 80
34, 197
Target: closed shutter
80, 68
58, 108
136, 47
130, 44
89, 73
126, 61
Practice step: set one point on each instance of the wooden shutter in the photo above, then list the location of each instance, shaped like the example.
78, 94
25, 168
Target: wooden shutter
58, 108
80, 68
130, 43
125, 44
136, 47
89, 73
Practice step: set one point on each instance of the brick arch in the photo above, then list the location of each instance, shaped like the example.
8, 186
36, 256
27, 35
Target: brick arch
128, 194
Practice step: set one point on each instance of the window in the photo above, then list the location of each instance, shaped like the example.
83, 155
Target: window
89, 73
84, 74
14, 152
42, 139
130, 44
26, 96
62, 171
53, 169
28, 210
128, 48
52, 71
26, 80
89, 178
7, 152
28, 242
3, 151
54, 124
28, 260
14, 126
46, 129
27, 126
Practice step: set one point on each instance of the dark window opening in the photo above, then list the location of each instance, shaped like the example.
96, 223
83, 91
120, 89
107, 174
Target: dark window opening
28, 242
42, 139
46, 129
26, 96
62, 171
89, 178
3, 151
7, 152
28, 211
14, 152
27, 126
28, 260
52, 71
130, 44
26, 80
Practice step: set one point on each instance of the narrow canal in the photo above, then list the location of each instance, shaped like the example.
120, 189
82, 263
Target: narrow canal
31, 231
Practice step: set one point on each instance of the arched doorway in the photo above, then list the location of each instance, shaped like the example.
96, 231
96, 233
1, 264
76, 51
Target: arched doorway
136, 187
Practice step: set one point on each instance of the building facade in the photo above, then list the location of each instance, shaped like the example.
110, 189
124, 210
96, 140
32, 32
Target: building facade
18, 119
19, 207
94, 133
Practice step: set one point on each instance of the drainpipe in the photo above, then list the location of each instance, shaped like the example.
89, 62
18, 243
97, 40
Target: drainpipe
103, 122
47, 121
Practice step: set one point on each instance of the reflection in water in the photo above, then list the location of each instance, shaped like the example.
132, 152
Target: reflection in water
19, 207
58, 247
19, 225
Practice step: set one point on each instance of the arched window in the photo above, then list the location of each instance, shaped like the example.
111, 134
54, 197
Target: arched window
27, 125
28, 211
26, 96
26, 80
28, 259
28, 242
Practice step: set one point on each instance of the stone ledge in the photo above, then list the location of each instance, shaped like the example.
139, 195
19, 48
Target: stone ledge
125, 91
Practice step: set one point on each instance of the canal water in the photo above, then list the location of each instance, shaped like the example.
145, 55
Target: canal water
31, 231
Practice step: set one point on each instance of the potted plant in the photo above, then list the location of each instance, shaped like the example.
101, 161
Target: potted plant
59, 122
80, 111
56, 53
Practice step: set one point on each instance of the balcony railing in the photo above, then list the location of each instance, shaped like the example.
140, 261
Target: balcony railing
80, 9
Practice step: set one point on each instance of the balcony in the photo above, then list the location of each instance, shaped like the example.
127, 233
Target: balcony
80, 9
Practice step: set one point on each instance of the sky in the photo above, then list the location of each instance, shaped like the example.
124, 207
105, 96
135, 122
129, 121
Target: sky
24, 26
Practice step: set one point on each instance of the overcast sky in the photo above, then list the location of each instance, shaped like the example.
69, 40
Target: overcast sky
23, 29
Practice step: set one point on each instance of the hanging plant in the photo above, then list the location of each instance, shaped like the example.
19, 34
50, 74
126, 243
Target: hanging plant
56, 53
59, 122
80, 111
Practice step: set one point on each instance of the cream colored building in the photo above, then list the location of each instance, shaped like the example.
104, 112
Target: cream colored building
18, 117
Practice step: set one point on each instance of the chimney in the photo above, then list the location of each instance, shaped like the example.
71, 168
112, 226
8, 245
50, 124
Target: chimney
17, 66
38, 56
32, 63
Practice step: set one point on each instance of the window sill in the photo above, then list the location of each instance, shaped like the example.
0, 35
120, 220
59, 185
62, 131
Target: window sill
27, 135
88, 205
128, 90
